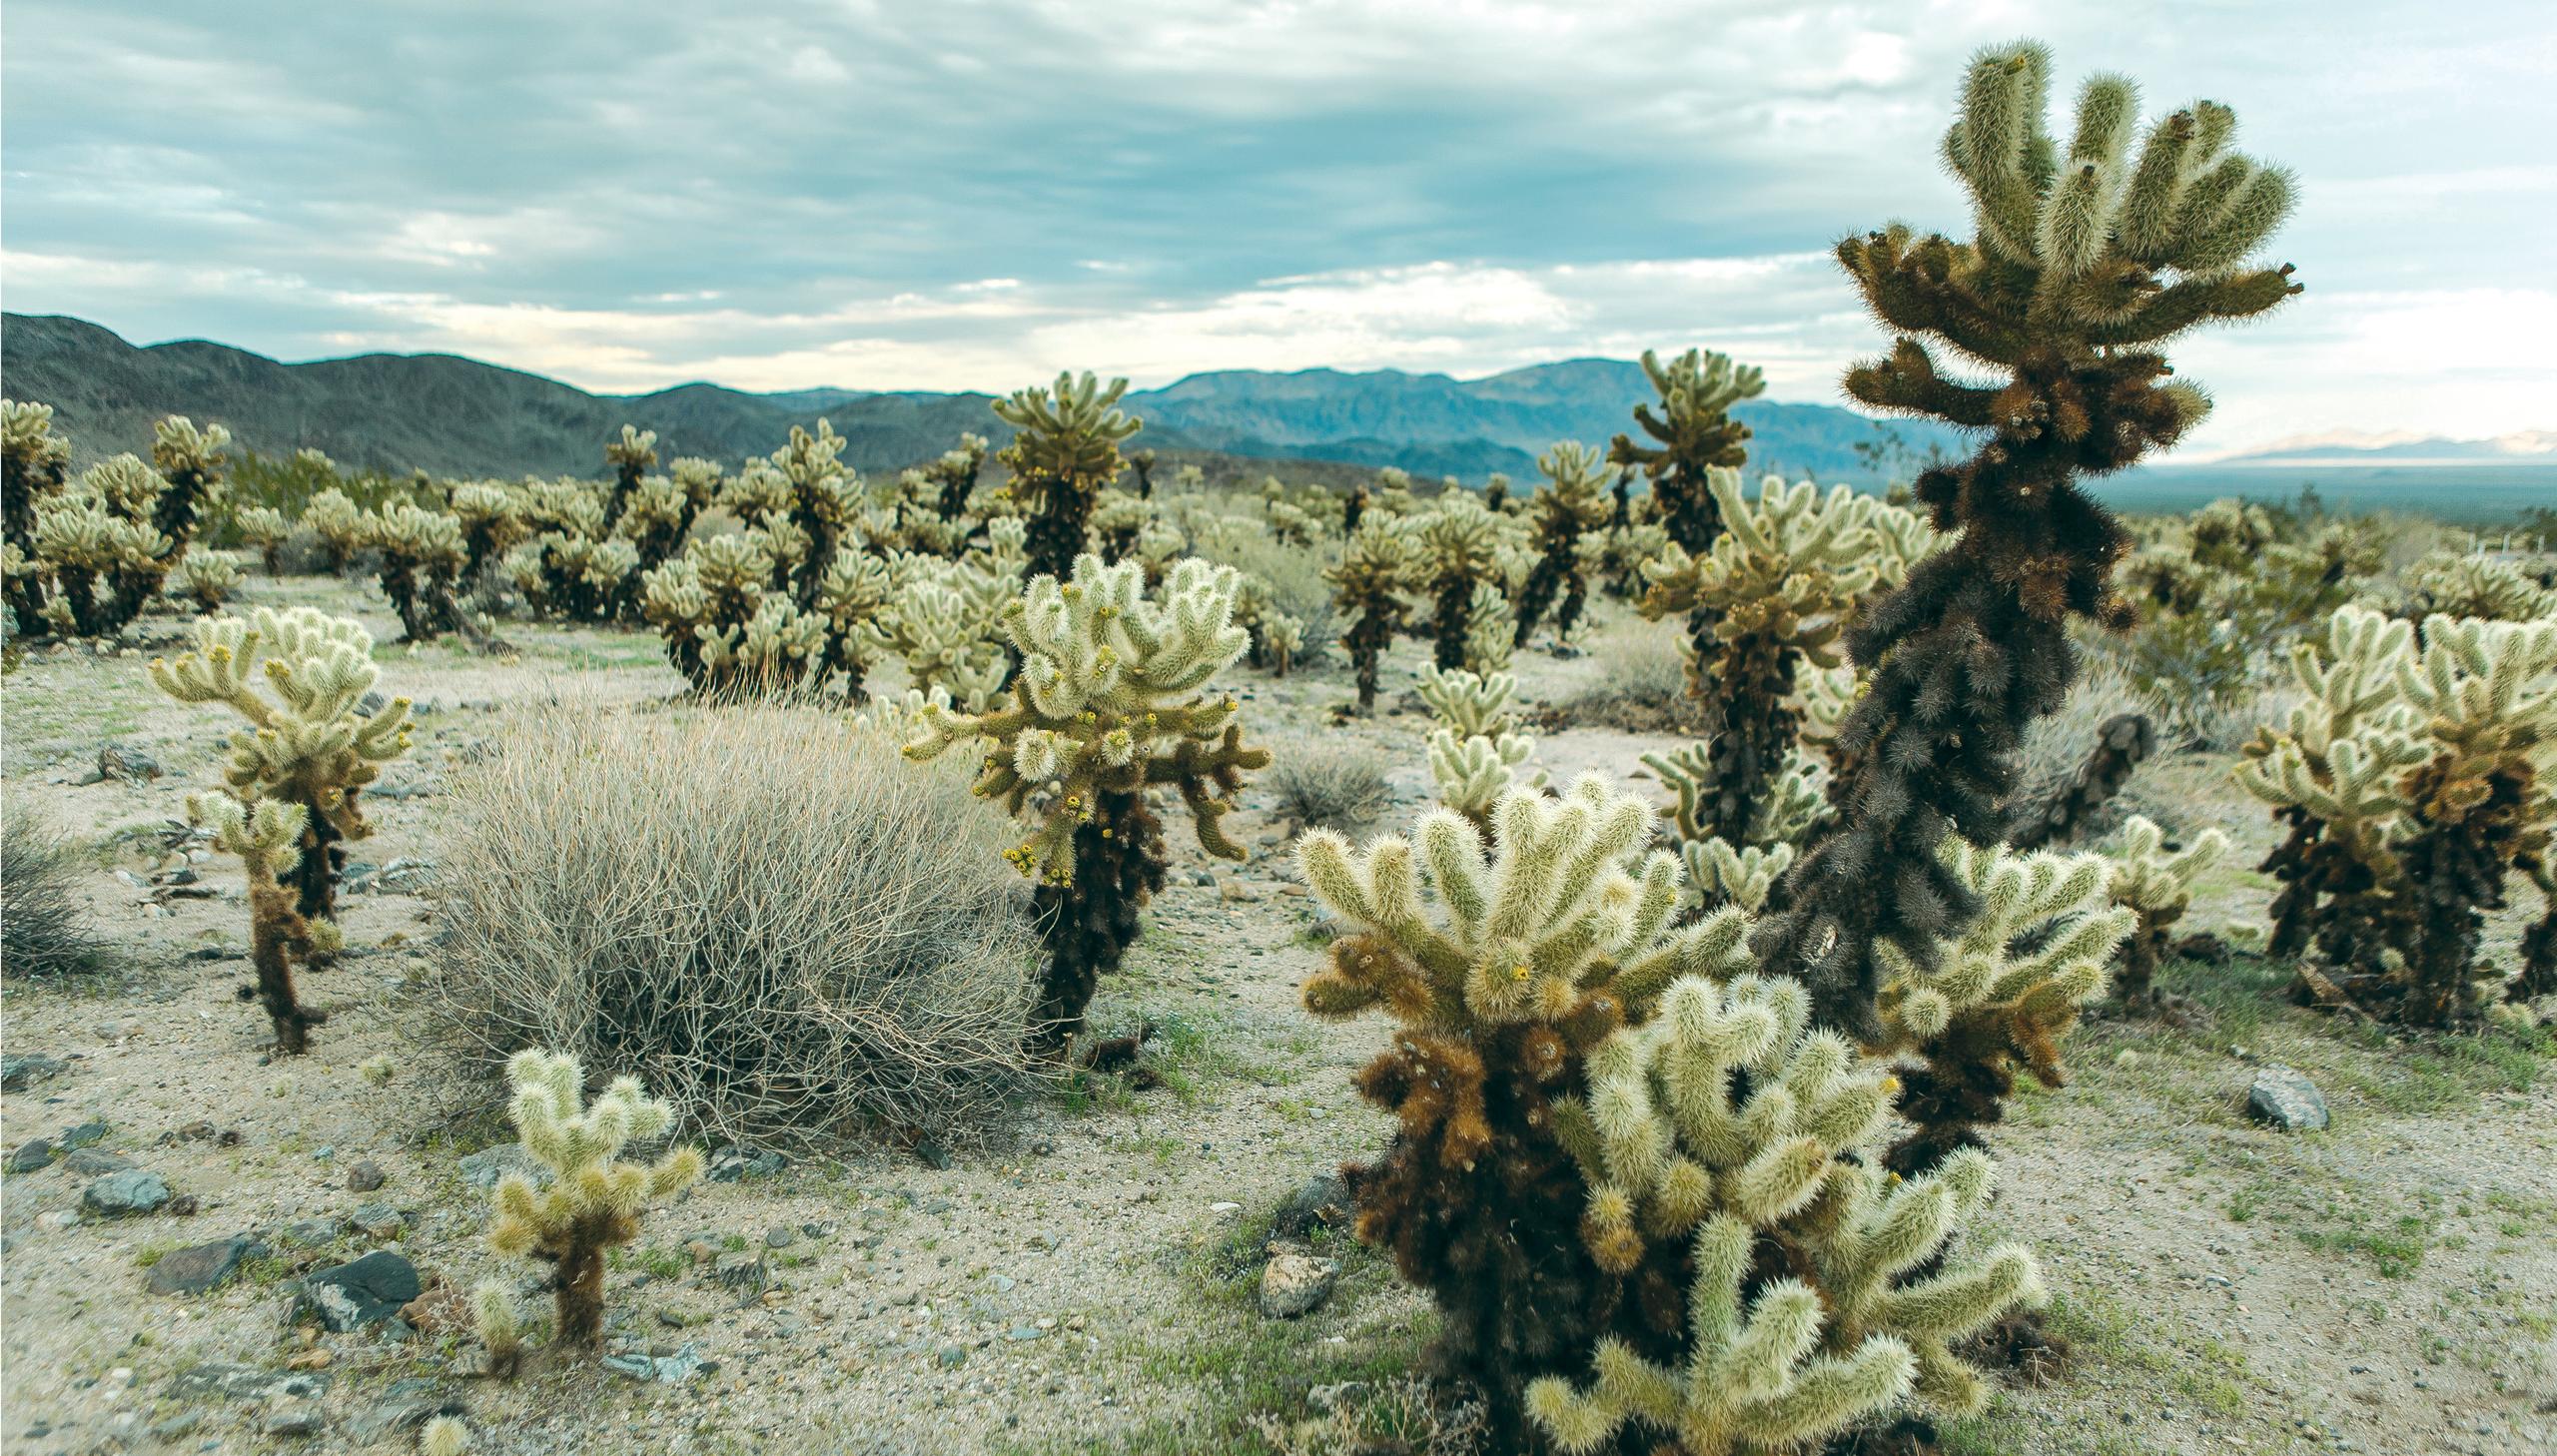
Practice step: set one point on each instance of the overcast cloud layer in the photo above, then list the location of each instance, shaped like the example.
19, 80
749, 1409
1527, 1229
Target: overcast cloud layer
973, 194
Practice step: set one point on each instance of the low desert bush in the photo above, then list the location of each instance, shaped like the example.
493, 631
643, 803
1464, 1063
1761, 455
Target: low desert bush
43, 931
1644, 689
1291, 578
1329, 783
763, 913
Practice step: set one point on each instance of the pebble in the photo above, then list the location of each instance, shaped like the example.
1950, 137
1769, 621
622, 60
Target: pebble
366, 1177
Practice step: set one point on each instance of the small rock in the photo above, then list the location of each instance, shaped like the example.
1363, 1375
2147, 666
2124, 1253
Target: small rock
665, 1369
1320, 1202
363, 1292
1025, 1332
28, 1156
483, 1169
309, 1232
1238, 893
743, 1272
951, 1356
125, 1195
24, 1069
378, 1221
296, 1421
89, 1162
1328, 1398
1294, 1283
84, 1134
366, 1177
933, 1155
779, 1237
2285, 1099
732, 1165
205, 1266
132, 765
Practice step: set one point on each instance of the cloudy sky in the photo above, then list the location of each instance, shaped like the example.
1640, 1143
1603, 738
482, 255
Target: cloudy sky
947, 194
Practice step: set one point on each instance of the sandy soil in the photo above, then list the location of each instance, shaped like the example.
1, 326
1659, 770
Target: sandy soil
2389, 1286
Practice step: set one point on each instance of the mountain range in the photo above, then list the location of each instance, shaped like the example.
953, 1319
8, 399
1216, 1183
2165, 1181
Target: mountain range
450, 416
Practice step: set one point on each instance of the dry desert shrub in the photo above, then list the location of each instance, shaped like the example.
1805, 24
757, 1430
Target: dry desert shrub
1644, 686
763, 912
44, 933
1329, 783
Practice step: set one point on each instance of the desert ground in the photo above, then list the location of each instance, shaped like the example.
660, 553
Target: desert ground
1089, 1281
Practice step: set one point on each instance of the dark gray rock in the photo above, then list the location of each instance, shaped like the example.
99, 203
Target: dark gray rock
126, 1195
127, 763
741, 1272
205, 1266
366, 1177
363, 1292
378, 1220
89, 1162
245, 1382
2285, 1099
297, 1420
83, 1135
735, 1165
487, 1167
28, 1156
310, 1233
26, 1068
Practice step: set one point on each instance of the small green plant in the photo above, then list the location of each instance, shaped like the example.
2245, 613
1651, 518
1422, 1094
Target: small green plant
593, 1200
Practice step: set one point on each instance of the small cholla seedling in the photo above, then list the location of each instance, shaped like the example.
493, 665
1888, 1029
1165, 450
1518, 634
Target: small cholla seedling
1374, 571
1064, 450
594, 1199
338, 526
209, 578
267, 834
1568, 508
264, 527
309, 741
499, 1323
1106, 704
1725, 1127
2156, 884
443, 1436
2084, 259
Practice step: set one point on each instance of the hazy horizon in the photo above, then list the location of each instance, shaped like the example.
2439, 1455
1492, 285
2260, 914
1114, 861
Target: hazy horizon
974, 196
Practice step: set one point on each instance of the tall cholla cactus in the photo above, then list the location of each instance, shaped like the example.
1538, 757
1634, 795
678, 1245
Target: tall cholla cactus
659, 512
1568, 507
1693, 435
2081, 264
2154, 884
630, 456
593, 1200
310, 742
1780, 585
35, 465
1478, 749
84, 557
2411, 776
267, 834
1999, 998
190, 460
1376, 567
1458, 547
1108, 703
1066, 450
1724, 1123
422, 556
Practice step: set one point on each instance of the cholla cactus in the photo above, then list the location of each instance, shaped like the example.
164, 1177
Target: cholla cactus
311, 742
2084, 261
443, 1436
1999, 997
2122, 742
1568, 508
1694, 434
1779, 587
630, 456
1108, 701
85, 558
659, 513
2457, 584
2411, 778
267, 834
209, 578
593, 1200
421, 557
1376, 569
338, 526
1066, 450
492, 514
2154, 884
1479, 749
1490, 630
1458, 547
1737, 863
1860, 1320
1282, 637
1503, 959
264, 527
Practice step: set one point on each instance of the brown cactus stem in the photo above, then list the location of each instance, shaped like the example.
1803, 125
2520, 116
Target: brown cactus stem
1088, 923
577, 1284
276, 932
